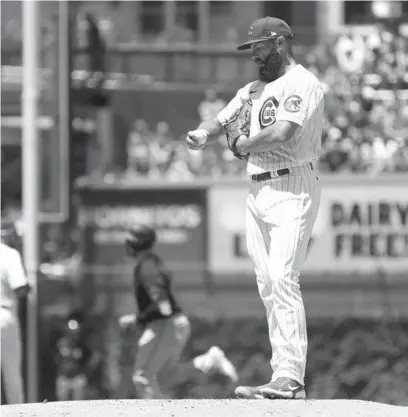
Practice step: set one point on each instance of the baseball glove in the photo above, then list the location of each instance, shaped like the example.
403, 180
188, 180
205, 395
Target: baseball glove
237, 126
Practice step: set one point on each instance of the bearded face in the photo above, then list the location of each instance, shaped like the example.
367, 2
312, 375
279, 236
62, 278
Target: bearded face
269, 61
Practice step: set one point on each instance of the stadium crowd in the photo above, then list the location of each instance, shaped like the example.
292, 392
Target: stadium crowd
365, 78
366, 84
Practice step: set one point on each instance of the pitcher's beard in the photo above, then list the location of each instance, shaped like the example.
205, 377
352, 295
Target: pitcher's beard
269, 70
267, 75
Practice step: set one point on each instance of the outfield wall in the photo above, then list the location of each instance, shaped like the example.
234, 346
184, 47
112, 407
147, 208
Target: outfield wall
359, 247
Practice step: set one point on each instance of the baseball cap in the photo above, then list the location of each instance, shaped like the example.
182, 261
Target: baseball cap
264, 29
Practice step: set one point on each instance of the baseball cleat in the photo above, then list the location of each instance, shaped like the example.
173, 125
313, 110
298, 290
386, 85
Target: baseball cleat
220, 363
284, 388
249, 393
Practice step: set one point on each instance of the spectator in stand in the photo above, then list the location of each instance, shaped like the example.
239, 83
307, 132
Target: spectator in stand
138, 151
362, 155
231, 166
401, 158
208, 108
379, 156
401, 54
180, 166
50, 247
211, 166
108, 31
96, 47
195, 160
365, 129
400, 128
334, 155
211, 105
11, 39
393, 146
350, 51
161, 148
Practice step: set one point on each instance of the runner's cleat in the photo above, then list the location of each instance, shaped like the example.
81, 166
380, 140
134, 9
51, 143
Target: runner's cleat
249, 393
214, 360
222, 364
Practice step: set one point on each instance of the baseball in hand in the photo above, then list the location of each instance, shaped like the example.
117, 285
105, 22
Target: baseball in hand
196, 139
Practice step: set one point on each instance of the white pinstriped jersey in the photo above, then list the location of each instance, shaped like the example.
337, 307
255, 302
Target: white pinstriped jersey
12, 276
297, 96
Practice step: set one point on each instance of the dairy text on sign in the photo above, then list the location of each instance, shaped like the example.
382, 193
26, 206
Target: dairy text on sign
374, 229
381, 213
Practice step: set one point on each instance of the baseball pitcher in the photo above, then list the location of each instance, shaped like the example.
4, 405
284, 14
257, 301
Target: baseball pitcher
165, 328
14, 285
275, 123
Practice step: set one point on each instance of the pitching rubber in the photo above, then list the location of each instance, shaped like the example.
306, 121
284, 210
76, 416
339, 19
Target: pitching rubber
205, 408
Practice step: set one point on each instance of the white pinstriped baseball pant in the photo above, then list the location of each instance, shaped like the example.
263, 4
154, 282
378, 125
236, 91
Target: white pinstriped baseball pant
280, 216
11, 356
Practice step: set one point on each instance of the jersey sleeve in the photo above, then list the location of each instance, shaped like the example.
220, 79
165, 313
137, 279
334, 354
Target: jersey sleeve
229, 111
297, 99
15, 270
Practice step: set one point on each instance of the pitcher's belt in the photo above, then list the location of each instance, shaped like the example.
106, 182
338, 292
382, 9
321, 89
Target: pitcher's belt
272, 174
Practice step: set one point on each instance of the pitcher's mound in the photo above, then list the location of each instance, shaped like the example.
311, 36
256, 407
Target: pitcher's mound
206, 408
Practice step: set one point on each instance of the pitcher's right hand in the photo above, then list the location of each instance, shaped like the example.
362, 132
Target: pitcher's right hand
196, 139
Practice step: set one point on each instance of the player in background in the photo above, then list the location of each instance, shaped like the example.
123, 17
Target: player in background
165, 328
280, 137
14, 287
74, 360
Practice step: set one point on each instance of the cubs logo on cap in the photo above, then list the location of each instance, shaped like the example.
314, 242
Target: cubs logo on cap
264, 29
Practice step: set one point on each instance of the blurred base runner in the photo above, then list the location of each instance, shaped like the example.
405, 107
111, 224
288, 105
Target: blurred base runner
164, 327
158, 354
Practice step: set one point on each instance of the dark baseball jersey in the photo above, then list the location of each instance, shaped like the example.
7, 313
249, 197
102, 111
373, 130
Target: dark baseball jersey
72, 357
152, 285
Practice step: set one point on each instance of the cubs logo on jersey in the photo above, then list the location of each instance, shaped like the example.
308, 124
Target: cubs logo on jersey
267, 114
292, 104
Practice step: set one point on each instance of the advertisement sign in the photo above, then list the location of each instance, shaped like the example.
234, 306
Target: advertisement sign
227, 253
362, 225
178, 215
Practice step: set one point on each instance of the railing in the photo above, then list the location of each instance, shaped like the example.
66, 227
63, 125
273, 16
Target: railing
177, 64
12, 80
326, 295
130, 66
